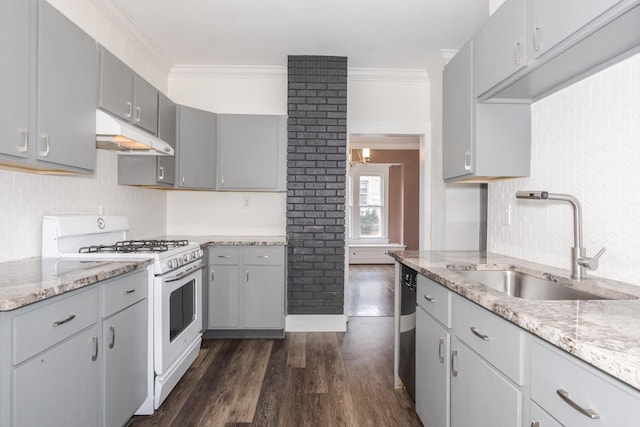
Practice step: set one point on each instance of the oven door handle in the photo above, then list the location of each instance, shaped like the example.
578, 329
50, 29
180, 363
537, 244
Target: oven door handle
185, 274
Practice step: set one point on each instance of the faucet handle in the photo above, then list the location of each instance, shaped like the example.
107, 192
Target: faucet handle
591, 263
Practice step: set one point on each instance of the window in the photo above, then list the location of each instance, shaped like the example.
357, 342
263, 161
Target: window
368, 203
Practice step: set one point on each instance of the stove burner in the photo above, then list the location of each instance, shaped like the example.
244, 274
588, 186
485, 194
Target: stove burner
133, 246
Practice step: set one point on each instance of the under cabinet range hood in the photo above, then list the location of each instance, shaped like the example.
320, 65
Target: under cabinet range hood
116, 134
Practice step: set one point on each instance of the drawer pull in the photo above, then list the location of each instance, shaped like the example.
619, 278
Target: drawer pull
67, 320
454, 353
535, 423
440, 350
112, 329
428, 298
263, 256
94, 357
586, 412
130, 291
480, 335
224, 256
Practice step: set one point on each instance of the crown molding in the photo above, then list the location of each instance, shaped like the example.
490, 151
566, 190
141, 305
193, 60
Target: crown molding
121, 21
387, 74
228, 71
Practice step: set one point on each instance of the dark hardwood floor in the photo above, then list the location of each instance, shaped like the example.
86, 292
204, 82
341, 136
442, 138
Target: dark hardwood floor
371, 290
307, 379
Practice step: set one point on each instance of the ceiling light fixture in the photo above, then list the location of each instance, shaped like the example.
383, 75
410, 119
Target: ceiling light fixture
364, 158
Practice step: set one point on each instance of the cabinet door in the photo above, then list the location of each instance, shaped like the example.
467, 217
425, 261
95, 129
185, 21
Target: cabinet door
223, 297
480, 396
196, 154
432, 371
251, 149
552, 21
145, 99
499, 46
457, 115
116, 86
125, 363
539, 418
166, 132
263, 297
15, 36
67, 99
60, 386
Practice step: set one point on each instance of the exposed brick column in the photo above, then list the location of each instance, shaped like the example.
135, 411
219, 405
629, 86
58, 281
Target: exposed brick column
316, 174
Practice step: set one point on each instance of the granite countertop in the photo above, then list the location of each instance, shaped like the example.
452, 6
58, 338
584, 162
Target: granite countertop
31, 280
603, 333
233, 240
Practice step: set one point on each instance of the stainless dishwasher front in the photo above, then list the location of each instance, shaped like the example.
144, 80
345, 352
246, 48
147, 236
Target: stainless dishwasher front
407, 366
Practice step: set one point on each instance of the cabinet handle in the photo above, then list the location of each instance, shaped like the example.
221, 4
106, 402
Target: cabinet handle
25, 140
130, 110
428, 298
182, 179
454, 353
247, 276
213, 275
67, 320
535, 423
222, 179
263, 256
138, 114
536, 42
112, 329
516, 53
94, 357
586, 412
130, 291
45, 139
467, 160
440, 350
224, 256
480, 335
160, 172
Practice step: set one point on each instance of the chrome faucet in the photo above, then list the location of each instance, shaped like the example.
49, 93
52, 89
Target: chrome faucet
579, 260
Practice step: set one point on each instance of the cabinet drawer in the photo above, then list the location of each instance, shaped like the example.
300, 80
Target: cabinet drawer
223, 255
43, 327
539, 417
122, 292
263, 255
435, 299
495, 339
552, 371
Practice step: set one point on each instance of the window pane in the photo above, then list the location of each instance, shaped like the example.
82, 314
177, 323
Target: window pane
370, 222
371, 190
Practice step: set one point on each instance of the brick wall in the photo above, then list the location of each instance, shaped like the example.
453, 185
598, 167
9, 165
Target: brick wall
316, 174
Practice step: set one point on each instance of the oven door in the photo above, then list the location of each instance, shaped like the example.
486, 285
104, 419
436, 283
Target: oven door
177, 313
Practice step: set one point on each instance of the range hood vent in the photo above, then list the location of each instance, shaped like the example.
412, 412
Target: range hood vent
115, 134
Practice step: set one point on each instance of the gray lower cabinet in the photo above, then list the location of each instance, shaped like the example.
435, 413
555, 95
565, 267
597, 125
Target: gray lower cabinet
125, 94
540, 418
246, 290
480, 395
432, 370
153, 171
15, 36
195, 149
252, 152
481, 142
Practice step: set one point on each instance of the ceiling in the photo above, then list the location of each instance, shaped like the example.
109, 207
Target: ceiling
371, 33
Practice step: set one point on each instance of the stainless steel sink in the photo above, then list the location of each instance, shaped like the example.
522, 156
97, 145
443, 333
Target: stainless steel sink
521, 285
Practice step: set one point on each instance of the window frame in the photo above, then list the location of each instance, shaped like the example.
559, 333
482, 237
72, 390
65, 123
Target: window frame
355, 172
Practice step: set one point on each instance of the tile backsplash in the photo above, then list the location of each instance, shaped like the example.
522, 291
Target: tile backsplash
585, 142
25, 198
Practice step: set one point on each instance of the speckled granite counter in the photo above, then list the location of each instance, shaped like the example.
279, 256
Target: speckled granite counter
31, 280
603, 333
234, 240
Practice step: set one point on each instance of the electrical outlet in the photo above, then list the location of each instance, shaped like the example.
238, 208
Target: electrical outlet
506, 217
246, 203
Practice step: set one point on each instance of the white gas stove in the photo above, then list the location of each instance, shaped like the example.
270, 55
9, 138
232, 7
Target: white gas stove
175, 288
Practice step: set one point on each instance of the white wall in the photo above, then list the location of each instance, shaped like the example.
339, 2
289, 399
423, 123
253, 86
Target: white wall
585, 142
25, 198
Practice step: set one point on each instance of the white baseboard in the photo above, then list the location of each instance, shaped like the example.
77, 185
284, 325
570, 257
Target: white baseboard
316, 323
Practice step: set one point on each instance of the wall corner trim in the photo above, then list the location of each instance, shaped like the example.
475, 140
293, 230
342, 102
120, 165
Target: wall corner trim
316, 323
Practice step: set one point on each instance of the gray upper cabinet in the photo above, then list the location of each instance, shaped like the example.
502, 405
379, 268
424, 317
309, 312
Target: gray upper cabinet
251, 152
195, 149
500, 46
15, 36
153, 171
125, 94
481, 142
66, 91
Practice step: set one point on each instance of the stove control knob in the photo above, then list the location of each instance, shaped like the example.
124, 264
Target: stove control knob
170, 264
185, 258
200, 253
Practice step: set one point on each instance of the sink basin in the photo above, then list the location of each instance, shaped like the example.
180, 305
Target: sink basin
521, 285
